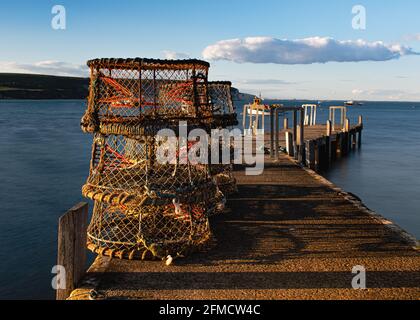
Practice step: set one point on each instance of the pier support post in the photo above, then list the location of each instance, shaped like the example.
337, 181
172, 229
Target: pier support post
271, 133
310, 154
339, 143
289, 143
359, 140
295, 130
302, 136
286, 124
346, 136
317, 156
328, 142
72, 236
276, 141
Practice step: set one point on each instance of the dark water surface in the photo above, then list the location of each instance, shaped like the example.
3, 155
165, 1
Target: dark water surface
45, 161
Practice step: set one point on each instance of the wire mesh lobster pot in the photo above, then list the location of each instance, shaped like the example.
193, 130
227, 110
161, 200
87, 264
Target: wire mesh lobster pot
148, 232
220, 95
146, 209
224, 113
126, 94
126, 170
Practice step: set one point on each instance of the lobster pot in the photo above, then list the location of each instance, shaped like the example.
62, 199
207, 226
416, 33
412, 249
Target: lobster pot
131, 171
125, 94
220, 95
148, 232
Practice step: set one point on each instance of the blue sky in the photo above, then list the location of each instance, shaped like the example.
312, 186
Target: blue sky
186, 28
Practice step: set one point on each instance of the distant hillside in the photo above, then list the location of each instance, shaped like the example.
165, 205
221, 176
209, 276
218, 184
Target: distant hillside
33, 86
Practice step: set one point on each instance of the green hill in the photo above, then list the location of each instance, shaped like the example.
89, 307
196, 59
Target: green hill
33, 86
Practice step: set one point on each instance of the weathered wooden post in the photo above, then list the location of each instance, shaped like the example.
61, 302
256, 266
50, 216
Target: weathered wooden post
271, 132
302, 136
359, 140
339, 142
72, 238
346, 136
328, 142
295, 131
286, 124
310, 154
317, 150
276, 124
289, 143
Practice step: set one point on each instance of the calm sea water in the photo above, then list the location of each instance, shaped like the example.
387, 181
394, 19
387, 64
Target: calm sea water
45, 161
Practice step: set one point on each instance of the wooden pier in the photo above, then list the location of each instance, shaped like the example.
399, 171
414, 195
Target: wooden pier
290, 234
312, 145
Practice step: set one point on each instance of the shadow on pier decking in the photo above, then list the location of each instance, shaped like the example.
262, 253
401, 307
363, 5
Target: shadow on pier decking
287, 235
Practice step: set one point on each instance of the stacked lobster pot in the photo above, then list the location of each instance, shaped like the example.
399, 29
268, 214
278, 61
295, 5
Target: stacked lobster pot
225, 117
144, 208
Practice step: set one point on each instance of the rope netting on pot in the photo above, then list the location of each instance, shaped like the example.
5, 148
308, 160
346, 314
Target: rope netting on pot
126, 94
148, 232
220, 95
145, 208
127, 170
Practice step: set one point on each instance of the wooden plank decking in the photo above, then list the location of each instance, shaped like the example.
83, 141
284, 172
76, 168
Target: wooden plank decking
290, 235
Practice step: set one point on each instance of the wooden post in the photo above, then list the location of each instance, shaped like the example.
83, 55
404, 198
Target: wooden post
328, 143
359, 140
72, 234
295, 130
302, 136
310, 156
339, 142
271, 133
257, 112
316, 154
353, 140
332, 118
276, 124
346, 136
289, 143
263, 120
286, 124
244, 114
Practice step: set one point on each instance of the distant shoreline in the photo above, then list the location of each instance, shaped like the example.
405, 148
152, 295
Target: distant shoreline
21, 86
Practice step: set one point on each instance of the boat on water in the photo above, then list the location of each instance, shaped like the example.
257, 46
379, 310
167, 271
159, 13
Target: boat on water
353, 103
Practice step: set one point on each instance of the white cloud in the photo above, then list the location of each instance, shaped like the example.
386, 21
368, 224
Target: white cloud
57, 68
303, 51
388, 94
172, 55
